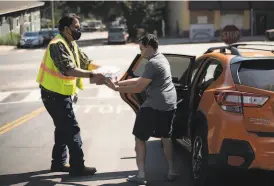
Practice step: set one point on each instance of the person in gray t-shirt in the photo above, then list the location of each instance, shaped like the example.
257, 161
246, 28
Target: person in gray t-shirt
156, 114
161, 92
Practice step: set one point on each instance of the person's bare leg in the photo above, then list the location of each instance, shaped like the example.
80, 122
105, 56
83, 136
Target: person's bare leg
168, 150
140, 148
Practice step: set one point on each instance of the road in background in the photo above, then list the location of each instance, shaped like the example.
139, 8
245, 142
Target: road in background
106, 123
94, 35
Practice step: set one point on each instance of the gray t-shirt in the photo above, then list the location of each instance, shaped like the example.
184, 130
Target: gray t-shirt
161, 92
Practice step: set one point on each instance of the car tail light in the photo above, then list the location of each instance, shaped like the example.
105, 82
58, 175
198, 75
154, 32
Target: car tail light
235, 101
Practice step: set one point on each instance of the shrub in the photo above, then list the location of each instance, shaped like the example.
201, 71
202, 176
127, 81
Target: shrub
10, 39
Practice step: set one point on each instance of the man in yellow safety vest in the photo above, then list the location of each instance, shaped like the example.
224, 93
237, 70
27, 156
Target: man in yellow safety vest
60, 74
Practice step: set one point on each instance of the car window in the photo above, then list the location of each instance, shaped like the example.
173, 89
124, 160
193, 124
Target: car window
257, 73
178, 64
212, 72
29, 34
45, 33
196, 66
116, 30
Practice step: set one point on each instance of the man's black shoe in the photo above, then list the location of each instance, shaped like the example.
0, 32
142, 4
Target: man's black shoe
62, 168
87, 171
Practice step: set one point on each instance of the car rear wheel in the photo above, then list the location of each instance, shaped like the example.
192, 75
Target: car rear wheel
199, 158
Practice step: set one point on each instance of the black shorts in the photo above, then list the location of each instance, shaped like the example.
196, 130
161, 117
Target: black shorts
153, 123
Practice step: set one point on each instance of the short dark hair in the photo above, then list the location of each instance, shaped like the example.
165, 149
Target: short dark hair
151, 40
66, 20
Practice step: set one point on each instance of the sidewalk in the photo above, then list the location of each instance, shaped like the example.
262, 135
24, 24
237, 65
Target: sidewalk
6, 48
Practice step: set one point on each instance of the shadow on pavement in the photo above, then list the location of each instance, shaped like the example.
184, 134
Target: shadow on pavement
118, 184
156, 167
243, 178
31, 179
156, 174
99, 177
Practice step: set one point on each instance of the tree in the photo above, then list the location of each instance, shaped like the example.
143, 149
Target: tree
142, 14
99, 9
138, 14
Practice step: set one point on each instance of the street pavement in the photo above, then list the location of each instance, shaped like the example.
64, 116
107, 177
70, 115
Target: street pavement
26, 130
94, 35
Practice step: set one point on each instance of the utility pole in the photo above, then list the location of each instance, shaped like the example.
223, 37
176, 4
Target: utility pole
252, 21
163, 28
52, 14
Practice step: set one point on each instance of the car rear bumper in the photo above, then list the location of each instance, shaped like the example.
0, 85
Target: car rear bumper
229, 143
233, 153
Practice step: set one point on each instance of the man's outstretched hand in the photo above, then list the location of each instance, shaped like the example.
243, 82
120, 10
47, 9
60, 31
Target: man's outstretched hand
99, 79
109, 83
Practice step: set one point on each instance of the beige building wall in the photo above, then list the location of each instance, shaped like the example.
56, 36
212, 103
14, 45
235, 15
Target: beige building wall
180, 19
247, 19
215, 18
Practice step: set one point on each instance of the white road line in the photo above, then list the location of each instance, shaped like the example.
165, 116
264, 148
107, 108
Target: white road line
80, 98
19, 91
3, 95
33, 96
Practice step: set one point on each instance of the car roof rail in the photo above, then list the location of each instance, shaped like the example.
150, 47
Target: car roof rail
235, 46
222, 49
254, 44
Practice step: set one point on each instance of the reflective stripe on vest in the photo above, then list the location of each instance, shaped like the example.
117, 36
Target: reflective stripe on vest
53, 73
50, 71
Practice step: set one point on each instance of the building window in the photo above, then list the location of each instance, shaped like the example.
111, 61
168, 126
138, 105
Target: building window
26, 18
232, 18
202, 17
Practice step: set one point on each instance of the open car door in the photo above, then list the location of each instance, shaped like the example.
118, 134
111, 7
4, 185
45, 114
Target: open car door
180, 69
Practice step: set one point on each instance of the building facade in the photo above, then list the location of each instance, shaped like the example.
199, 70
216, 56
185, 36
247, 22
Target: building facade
201, 19
19, 17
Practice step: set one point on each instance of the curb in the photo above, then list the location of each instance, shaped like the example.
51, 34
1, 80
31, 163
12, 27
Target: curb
6, 48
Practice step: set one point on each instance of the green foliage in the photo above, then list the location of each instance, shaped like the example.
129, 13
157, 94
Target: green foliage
57, 14
143, 14
139, 14
10, 39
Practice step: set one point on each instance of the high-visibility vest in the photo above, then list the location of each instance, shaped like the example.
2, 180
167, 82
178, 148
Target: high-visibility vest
52, 79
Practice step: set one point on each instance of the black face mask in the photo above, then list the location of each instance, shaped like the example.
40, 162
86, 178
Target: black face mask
76, 34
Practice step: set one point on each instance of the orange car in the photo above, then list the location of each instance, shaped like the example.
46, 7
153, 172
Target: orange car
225, 112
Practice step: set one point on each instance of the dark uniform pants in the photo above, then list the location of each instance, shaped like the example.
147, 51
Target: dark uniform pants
67, 131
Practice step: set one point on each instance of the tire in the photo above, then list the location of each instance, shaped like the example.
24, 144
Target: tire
199, 157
